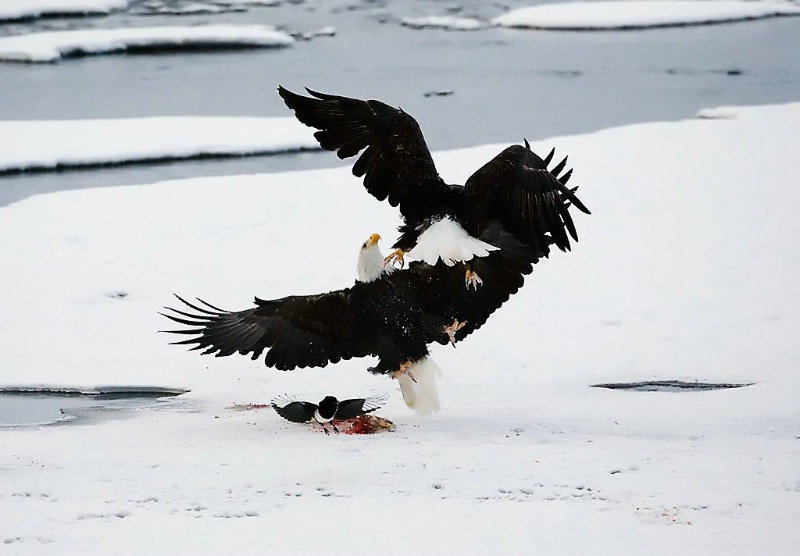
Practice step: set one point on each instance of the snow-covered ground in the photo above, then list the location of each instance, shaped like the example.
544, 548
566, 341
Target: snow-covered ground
687, 269
20, 9
637, 15
38, 145
51, 46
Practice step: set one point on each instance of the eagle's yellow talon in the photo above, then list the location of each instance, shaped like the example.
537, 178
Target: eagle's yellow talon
452, 329
404, 370
397, 256
471, 278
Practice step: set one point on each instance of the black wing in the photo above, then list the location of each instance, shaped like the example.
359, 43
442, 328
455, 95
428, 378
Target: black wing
298, 331
395, 316
349, 409
530, 201
443, 295
396, 163
294, 411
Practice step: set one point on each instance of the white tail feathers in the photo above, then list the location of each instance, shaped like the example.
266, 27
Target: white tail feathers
422, 392
447, 240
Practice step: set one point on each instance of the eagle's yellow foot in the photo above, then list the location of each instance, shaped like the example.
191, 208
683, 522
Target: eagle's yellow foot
471, 278
404, 370
395, 257
452, 329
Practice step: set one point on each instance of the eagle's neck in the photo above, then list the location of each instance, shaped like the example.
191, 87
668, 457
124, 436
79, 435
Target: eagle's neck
371, 264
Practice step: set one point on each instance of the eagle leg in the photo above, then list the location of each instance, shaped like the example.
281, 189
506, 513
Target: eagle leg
453, 328
395, 257
471, 278
404, 370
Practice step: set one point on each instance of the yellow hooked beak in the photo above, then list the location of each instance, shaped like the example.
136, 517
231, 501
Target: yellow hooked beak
372, 241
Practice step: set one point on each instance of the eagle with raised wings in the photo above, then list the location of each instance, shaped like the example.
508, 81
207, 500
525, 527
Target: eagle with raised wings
515, 190
389, 313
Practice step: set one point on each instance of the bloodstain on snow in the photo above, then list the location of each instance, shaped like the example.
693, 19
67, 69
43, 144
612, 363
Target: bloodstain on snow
363, 424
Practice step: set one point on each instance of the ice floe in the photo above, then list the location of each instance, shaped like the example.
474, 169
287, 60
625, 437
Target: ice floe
40, 145
51, 46
639, 15
28, 9
450, 23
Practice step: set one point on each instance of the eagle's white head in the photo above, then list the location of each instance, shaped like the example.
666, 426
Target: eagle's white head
371, 263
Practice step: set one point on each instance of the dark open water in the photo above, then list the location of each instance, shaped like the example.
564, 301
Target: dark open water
507, 84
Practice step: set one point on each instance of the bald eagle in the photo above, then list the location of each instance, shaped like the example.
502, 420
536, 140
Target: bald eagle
514, 190
392, 314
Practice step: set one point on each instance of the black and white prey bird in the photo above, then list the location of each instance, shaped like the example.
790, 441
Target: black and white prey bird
327, 411
515, 190
392, 314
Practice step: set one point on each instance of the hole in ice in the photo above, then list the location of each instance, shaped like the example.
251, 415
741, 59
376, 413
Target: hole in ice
669, 386
43, 406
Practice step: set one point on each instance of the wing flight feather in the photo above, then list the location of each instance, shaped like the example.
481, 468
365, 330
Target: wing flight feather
298, 331
294, 411
395, 163
529, 200
349, 409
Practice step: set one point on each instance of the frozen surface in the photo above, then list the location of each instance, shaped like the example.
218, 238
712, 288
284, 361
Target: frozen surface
248, 2
38, 145
51, 46
444, 22
686, 270
637, 15
190, 8
21, 9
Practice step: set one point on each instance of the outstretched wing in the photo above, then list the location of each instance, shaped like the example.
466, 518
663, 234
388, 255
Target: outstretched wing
298, 331
529, 200
396, 163
294, 411
349, 409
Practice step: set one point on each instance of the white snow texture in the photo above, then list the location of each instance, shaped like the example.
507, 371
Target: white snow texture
684, 271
